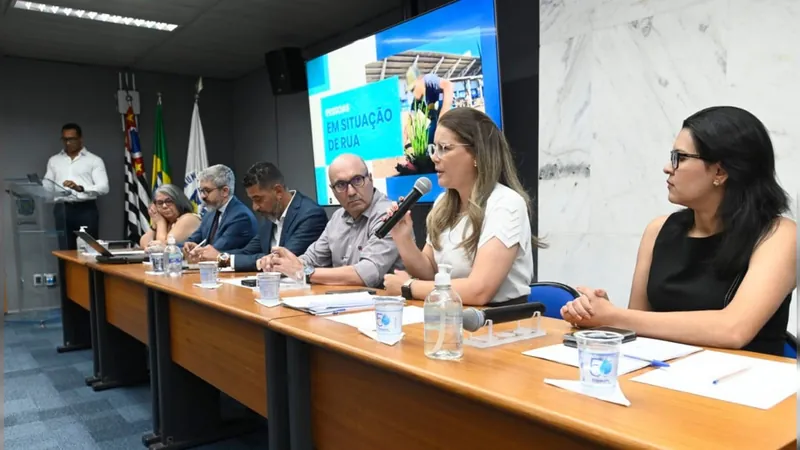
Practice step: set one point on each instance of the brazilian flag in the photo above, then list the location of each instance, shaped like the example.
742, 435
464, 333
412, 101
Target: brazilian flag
160, 161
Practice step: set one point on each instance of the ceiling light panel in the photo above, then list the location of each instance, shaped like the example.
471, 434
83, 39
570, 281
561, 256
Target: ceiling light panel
96, 16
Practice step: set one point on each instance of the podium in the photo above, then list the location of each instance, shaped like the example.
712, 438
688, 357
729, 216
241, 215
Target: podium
32, 233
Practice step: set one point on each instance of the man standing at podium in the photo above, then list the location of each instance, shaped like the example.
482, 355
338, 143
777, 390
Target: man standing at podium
83, 174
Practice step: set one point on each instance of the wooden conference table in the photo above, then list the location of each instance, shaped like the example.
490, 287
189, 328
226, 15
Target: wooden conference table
324, 385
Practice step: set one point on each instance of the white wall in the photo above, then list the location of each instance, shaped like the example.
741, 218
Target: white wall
617, 79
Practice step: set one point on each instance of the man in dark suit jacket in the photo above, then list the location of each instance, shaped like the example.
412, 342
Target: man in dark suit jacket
227, 224
293, 220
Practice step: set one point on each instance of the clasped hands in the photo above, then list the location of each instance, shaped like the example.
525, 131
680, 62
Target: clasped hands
591, 309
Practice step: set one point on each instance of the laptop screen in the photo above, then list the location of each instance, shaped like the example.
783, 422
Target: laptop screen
92, 242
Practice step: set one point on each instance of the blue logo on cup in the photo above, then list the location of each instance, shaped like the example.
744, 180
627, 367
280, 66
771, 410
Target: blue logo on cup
599, 367
385, 320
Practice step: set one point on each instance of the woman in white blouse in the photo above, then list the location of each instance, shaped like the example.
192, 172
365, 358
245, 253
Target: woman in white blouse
480, 225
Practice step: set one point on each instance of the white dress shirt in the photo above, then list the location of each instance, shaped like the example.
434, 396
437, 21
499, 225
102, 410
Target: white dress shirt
276, 235
222, 211
86, 170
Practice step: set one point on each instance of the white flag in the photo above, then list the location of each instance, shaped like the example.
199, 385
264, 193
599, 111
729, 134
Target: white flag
196, 157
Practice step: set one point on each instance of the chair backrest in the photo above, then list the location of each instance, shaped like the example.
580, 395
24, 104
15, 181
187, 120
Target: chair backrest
553, 295
790, 346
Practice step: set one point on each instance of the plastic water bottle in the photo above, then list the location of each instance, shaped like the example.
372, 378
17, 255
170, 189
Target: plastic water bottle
174, 258
443, 322
83, 247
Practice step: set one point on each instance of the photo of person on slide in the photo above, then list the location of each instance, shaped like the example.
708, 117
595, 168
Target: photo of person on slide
426, 90
432, 81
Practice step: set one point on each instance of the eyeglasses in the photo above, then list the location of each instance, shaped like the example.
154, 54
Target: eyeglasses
676, 156
164, 203
441, 149
204, 191
357, 181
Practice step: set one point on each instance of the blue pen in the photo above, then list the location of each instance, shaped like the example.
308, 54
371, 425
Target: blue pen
653, 362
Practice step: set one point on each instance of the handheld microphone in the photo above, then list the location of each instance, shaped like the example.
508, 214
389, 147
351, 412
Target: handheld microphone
474, 319
421, 187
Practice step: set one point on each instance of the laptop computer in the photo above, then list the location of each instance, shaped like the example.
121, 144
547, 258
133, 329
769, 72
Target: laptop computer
112, 257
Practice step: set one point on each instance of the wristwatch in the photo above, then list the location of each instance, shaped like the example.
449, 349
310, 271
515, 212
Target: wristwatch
223, 260
405, 289
308, 269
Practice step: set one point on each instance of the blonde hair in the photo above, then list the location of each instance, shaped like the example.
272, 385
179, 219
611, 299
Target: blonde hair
495, 165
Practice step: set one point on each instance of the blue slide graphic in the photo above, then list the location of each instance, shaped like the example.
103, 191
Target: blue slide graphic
399, 186
317, 74
445, 30
365, 120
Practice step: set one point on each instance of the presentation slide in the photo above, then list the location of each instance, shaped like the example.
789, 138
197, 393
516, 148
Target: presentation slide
381, 97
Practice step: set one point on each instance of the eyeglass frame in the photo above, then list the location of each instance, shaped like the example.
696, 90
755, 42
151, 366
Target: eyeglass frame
162, 203
441, 150
675, 156
350, 182
205, 192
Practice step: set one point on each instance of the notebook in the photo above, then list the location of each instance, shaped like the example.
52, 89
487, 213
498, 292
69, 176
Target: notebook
331, 303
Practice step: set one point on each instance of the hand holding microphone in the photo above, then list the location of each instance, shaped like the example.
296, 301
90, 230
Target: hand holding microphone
399, 213
402, 229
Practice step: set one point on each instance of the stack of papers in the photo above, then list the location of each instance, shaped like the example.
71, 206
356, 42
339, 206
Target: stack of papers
641, 347
754, 382
331, 303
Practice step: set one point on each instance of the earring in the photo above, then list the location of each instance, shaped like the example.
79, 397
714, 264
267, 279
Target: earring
475, 163
716, 182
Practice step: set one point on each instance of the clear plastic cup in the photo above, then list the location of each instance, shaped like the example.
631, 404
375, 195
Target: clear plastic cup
157, 262
208, 273
156, 252
389, 317
294, 281
598, 356
269, 284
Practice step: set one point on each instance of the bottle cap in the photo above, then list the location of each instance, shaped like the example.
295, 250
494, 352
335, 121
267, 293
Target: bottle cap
442, 278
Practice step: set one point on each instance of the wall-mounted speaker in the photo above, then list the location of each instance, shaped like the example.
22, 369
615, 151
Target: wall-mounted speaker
287, 71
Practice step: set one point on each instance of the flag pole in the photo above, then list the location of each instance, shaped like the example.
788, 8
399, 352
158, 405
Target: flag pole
135, 116
196, 155
137, 197
122, 116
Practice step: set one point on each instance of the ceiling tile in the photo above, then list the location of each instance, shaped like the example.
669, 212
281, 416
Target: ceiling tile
220, 38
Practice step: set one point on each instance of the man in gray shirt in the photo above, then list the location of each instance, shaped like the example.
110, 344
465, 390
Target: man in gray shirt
347, 252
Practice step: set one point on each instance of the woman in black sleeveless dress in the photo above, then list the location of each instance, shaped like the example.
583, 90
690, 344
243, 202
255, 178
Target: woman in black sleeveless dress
719, 273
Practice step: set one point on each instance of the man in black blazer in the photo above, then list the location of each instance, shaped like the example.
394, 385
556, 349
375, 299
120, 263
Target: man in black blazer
294, 221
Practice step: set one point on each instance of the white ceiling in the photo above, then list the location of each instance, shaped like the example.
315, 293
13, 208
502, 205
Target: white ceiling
214, 38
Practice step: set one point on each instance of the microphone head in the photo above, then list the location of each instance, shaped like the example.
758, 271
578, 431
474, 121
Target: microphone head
423, 185
472, 319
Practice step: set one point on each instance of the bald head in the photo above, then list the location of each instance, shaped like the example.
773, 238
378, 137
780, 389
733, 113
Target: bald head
351, 183
347, 161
